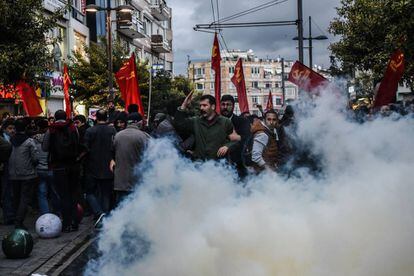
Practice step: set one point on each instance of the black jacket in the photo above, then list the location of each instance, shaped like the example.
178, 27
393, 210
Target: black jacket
98, 142
242, 127
5, 150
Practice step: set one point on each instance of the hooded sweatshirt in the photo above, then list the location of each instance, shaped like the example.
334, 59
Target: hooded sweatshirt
23, 159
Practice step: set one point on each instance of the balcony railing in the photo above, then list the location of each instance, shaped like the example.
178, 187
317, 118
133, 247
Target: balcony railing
130, 25
78, 15
160, 10
160, 45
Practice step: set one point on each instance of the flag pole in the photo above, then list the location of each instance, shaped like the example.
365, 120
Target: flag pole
150, 90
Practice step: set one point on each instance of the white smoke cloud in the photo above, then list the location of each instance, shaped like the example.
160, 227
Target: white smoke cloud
354, 218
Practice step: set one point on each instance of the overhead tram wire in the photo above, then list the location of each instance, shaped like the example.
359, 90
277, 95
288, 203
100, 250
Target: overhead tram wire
212, 9
251, 10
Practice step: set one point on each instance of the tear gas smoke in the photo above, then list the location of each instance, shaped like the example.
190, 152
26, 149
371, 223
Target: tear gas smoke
354, 218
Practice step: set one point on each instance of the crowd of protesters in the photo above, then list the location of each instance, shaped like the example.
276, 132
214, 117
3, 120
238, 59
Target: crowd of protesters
53, 164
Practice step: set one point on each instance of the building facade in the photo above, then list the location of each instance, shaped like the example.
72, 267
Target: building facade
147, 31
261, 77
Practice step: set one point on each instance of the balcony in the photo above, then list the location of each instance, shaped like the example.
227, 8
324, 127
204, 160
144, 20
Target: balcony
160, 10
78, 15
159, 45
130, 25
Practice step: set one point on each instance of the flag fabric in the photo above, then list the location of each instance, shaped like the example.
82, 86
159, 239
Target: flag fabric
30, 101
269, 105
66, 84
240, 84
127, 81
215, 65
388, 88
305, 78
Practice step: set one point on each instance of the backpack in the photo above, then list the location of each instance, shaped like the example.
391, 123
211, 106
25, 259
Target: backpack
248, 148
64, 146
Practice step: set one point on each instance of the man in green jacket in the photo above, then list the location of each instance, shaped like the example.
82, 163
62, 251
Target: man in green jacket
213, 134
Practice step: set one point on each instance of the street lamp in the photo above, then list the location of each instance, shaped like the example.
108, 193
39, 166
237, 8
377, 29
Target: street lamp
310, 38
121, 8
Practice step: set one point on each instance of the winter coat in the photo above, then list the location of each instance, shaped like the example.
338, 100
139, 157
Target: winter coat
128, 147
23, 159
62, 143
42, 155
98, 142
5, 150
208, 137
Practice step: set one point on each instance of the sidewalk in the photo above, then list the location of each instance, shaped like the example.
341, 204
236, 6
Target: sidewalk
48, 254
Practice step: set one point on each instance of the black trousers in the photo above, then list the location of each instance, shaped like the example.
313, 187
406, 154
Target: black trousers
66, 182
23, 191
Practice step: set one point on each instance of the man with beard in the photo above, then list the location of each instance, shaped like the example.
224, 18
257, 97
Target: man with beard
213, 134
242, 128
265, 142
112, 112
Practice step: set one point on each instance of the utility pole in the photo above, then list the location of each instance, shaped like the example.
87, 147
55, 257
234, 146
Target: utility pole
109, 49
310, 43
300, 30
283, 81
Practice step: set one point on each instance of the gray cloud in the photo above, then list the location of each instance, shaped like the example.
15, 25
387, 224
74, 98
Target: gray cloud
265, 41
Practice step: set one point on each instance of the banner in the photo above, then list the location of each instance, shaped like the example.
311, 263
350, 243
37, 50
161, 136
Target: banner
30, 101
66, 84
215, 65
240, 84
389, 85
269, 104
127, 81
305, 78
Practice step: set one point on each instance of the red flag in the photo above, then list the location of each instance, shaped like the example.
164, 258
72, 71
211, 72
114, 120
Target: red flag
305, 78
30, 101
240, 84
269, 105
127, 81
215, 65
388, 88
66, 83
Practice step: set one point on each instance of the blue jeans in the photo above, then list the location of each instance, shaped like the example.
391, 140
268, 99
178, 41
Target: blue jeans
45, 183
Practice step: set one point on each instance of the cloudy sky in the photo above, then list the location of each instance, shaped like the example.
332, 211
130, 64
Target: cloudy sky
269, 42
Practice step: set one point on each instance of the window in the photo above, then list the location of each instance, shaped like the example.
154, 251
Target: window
255, 70
277, 85
255, 99
147, 26
255, 84
200, 71
200, 86
211, 85
80, 41
268, 85
278, 101
231, 70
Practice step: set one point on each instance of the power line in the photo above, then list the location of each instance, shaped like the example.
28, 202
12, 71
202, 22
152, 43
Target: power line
251, 10
212, 9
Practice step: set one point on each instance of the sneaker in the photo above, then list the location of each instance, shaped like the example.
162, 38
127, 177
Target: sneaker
98, 222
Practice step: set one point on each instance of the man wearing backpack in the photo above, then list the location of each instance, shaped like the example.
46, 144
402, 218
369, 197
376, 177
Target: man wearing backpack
264, 149
62, 143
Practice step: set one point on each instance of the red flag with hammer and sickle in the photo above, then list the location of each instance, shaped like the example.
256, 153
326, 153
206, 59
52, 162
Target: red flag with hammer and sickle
305, 78
269, 104
215, 65
388, 88
127, 81
240, 84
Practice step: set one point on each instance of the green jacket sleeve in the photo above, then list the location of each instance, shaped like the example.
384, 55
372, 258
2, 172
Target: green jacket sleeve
182, 122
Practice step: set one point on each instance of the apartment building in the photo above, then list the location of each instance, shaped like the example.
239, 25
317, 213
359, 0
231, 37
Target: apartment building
147, 31
261, 76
